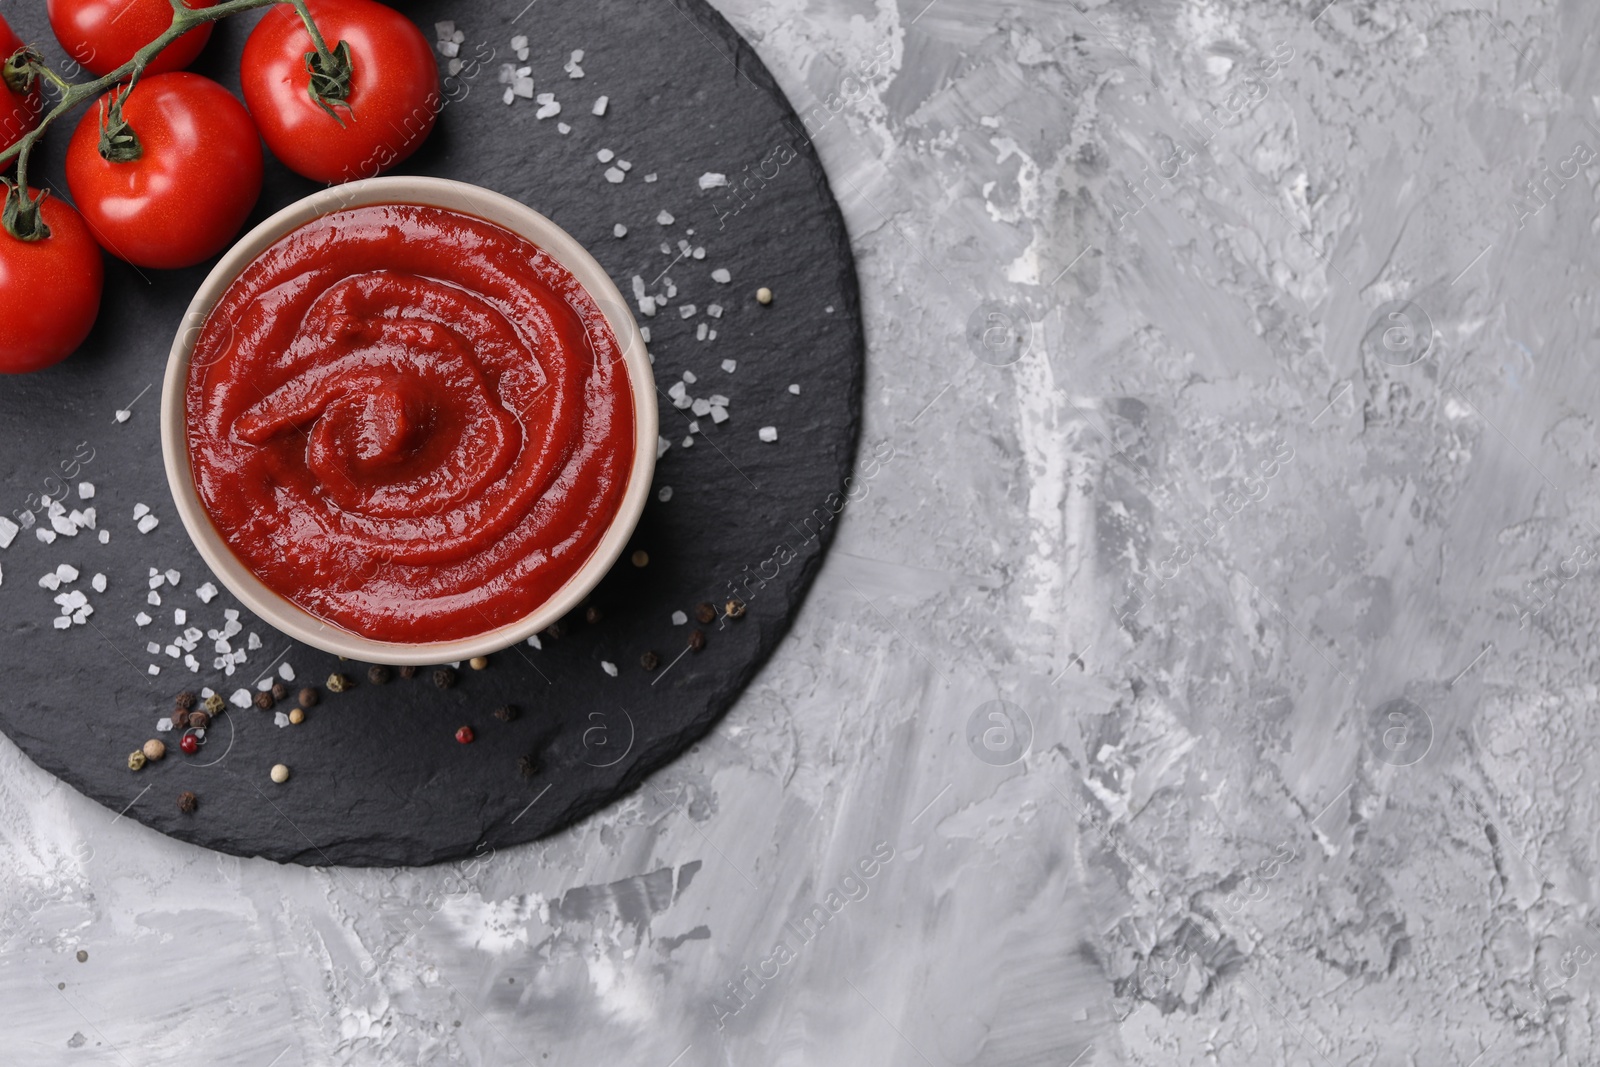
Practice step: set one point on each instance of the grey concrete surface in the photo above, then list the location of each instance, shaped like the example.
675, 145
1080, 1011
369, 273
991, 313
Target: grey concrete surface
1207, 680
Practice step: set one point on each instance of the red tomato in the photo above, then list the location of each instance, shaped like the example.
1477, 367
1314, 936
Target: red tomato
19, 112
196, 178
49, 290
104, 34
394, 95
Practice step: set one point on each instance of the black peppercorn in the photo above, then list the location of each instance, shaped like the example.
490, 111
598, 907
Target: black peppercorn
649, 661
187, 700
198, 720
309, 697
507, 713
408, 672
735, 609
188, 802
528, 766
264, 701
444, 677
592, 615
554, 631
704, 613
697, 640
379, 675
180, 718
280, 691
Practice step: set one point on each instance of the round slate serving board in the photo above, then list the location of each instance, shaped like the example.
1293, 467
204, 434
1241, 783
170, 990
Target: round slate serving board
378, 778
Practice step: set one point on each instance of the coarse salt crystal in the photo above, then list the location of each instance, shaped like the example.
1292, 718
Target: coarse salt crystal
523, 87
265, 685
605, 155
163, 724
678, 389
795, 389
648, 306
98, 582
644, 331
192, 663
252, 642
179, 617
600, 106
173, 651
154, 670
279, 719
67, 572
8, 532
51, 581
142, 619
649, 177
563, 128
173, 577
624, 164
449, 49
687, 311
721, 275
679, 618
519, 41
665, 218
714, 310
85, 490
713, 180
240, 699
206, 593
613, 175
154, 599
140, 511
702, 408
105, 537
688, 442
700, 334
700, 253
609, 667
286, 672
665, 494
157, 581
662, 444
62, 622
768, 434
533, 642
81, 616
47, 536
548, 110
148, 523
719, 415
152, 648
729, 365
619, 230
718, 400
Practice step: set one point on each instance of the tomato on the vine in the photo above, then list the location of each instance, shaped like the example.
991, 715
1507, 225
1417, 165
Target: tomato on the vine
172, 181
102, 35
49, 289
19, 110
383, 115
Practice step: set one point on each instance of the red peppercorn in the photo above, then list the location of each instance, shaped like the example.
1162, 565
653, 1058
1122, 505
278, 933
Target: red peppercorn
190, 744
465, 735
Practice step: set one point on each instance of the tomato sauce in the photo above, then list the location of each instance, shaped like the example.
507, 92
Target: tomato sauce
412, 423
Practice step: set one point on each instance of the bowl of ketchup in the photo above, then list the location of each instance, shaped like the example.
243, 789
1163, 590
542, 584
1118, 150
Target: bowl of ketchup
409, 421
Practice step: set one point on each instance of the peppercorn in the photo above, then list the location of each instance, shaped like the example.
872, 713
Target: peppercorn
297, 716
507, 713
379, 675
280, 773
136, 761
465, 735
264, 700
83, 956
704, 614
340, 683
444, 677
555, 631
641, 558
591, 615
154, 749
199, 720
697, 640
215, 704
189, 743
528, 766
188, 802
649, 661
763, 296
187, 700
309, 697
479, 663
180, 718
735, 609
280, 692
408, 672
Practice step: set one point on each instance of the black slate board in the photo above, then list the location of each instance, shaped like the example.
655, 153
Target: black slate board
378, 778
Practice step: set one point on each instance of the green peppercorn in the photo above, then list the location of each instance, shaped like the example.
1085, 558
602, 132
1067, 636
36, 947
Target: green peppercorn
136, 761
215, 704
340, 683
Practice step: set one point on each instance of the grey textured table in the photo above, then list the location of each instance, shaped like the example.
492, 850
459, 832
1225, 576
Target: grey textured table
1240, 388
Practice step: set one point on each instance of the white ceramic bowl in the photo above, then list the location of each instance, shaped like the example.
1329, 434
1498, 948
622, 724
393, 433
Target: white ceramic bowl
467, 200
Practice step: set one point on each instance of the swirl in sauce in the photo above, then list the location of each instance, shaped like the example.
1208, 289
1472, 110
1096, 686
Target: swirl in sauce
412, 423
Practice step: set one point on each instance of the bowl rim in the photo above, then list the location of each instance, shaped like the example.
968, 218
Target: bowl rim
464, 198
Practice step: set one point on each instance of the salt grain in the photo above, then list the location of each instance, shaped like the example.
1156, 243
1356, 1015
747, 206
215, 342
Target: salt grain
51, 581
605, 155
665, 494
665, 218
687, 311
240, 699
600, 106
85, 490
47, 536
148, 523
154, 670
619, 230
154, 599
286, 672
649, 177
563, 129
63, 623
768, 434
140, 511
730, 365
206, 593
105, 537
609, 667
624, 164
67, 573
713, 180
721, 275
179, 617
613, 175
98, 582
702, 408
662, 444
679, 618
8, 532
142, 619
719, 415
